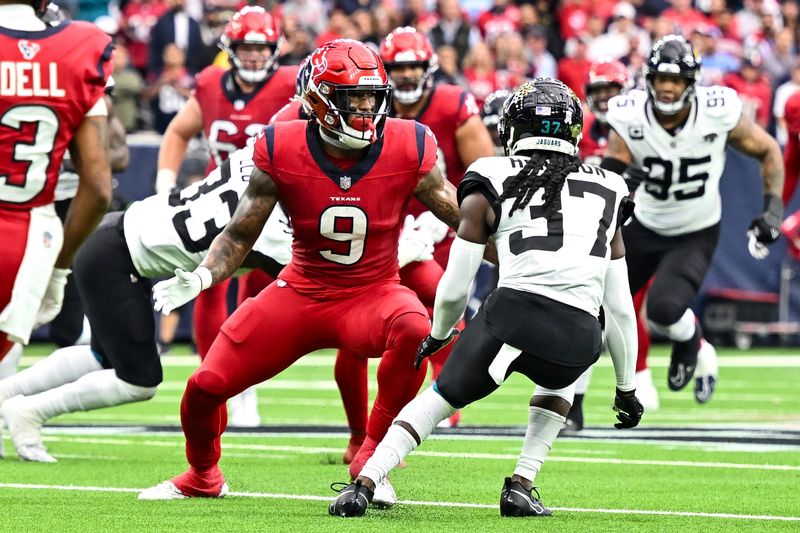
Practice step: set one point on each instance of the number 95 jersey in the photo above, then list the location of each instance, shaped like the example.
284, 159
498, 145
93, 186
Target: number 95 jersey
563, 257
681, 193
176, 230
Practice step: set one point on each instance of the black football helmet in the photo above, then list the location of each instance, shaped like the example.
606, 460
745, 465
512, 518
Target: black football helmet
492, 111
543, 114
672, 55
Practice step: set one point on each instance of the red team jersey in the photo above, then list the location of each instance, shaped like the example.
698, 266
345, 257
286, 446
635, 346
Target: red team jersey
49, 80
346, 222
448, 107
230, 116
594, 141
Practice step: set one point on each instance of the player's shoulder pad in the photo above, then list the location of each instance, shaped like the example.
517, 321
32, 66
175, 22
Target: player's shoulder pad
627, 108
604, 177
210, 74
718, 108
491, 172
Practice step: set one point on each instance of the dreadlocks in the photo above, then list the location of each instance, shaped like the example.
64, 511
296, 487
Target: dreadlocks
546, 170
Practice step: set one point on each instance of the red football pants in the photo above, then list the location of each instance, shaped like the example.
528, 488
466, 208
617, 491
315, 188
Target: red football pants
14, 229
268, 333
350, 370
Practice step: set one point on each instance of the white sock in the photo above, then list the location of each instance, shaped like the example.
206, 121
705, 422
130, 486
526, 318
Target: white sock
422, 414
543, 428
101, 388
680, 331
9, 364
644, 379
62, 366
582, 384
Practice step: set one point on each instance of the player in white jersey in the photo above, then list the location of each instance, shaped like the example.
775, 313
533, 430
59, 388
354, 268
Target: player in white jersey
156, 237
678, 134
556, 227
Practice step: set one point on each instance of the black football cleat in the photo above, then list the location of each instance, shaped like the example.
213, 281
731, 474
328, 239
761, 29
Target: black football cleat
516, 500
353, 500
683, 361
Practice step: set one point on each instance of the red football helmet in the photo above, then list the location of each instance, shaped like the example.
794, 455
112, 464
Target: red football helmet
604, 74
344, 71
252, 25
407, 46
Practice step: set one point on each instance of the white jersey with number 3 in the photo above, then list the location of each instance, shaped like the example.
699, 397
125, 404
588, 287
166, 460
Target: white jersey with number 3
681, 193
563, 257
175, 230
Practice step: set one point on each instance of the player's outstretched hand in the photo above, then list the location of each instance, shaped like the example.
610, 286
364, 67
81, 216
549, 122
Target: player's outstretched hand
430, 346
629, 410
170, 294
415, 244
765, 229
53, 296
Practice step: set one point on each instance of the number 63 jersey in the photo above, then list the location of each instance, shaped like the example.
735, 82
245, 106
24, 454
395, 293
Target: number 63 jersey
176, 230
563, 257
681, 193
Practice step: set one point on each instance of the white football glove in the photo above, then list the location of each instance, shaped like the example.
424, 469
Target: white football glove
756, 248
170, 294
53, 296
415, 245
428, 222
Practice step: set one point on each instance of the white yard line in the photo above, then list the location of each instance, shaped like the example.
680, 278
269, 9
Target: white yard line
303, 497
312, 450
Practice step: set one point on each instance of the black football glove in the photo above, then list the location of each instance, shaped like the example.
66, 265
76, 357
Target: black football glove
430, 346
766, 228
629, 410
633, 176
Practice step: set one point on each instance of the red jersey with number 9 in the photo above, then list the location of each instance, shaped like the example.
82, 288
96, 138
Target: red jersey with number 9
49, 80
346, 223
230, 116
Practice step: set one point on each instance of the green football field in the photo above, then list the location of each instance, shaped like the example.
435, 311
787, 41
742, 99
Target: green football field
730, 465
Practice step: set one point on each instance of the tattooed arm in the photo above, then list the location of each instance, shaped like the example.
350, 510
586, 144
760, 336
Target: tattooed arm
439, 196
232, 245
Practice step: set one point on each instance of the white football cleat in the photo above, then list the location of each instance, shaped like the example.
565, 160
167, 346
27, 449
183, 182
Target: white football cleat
35, 453
706, 373
25, 428
244, 410
646, 391
384, 495
166, 490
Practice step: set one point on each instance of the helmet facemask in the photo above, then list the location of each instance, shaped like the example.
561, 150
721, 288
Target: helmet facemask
255, 75
346, 125
672, 56
409, 91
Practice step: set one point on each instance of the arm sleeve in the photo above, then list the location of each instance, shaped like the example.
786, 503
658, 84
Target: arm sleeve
468, 108
453, 289
621, 334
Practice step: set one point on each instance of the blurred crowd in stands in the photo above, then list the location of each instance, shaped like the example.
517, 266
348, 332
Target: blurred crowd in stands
484, 45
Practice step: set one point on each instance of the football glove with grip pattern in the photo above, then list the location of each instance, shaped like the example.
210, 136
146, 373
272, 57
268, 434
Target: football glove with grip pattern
629, 410
765, 229
431, 345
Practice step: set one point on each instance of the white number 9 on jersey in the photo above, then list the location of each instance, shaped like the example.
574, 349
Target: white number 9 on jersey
344, 223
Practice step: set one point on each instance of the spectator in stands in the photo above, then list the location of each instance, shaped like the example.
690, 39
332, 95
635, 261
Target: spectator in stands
683, 15
480, 72
753, 87
502, 17
510, 60
216, 14
573, 16
128, 85
779, 55
623, 36
138, 18
448, 71
574, 67
310, 14
171, 88
543, 64
339, 26
364, 22
176, 26
716, 62
454, 29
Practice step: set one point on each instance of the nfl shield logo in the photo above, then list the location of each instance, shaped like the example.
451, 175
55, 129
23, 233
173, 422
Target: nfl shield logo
345, 182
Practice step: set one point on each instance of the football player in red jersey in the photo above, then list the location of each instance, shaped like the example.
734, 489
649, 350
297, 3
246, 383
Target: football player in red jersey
791, 154
229, 106
453, 116
605, 80
345, 179
52, 98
